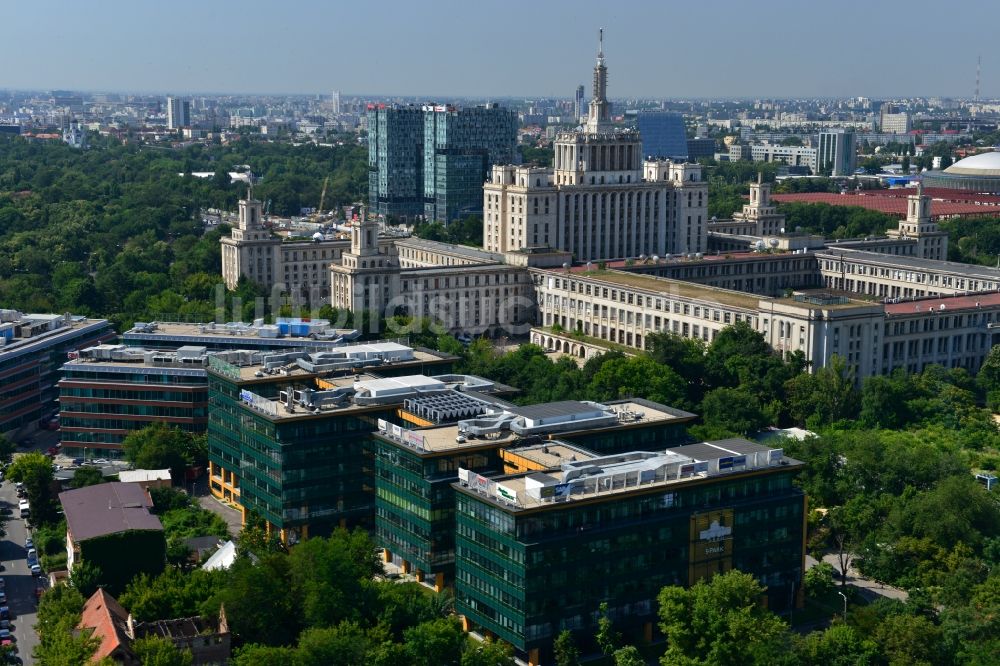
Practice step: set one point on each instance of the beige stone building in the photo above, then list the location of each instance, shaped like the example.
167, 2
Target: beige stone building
600, 200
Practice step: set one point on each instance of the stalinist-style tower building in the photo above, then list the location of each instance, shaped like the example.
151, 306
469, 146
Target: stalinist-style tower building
600, 201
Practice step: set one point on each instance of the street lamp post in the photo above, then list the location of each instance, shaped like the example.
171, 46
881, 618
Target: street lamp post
845, 603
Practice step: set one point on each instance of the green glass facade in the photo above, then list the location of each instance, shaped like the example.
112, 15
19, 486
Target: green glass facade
460, 147
415, 501
528, 574
306, 474
101, 403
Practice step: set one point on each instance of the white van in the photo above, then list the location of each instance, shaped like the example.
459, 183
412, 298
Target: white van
25, 508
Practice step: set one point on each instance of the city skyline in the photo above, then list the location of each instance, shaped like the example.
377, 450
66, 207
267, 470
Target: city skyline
656, 51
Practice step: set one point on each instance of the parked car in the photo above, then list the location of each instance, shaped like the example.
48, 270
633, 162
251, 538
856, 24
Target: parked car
5, 613
5, 635
3, 597
36, 570
28, 543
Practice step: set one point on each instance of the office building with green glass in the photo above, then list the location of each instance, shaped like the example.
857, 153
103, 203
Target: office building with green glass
108, 391
415, 469
287, 430
460, 147
538, 552
396, 160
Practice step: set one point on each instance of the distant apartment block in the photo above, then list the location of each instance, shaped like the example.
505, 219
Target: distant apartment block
837, 153
803, 156
178, 113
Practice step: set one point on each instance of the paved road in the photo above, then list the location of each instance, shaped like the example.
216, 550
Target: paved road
21, 584
869, 588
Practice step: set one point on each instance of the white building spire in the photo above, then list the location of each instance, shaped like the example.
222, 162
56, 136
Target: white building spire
599, 117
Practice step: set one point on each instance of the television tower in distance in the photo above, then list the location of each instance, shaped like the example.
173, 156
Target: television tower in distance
979, 66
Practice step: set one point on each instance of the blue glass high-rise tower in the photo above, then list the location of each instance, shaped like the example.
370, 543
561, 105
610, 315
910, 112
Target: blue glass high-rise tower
460, 147
663, 135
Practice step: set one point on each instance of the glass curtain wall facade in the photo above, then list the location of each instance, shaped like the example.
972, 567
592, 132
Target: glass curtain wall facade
663, 135
415, 505
460, 146
526, 575
304, 475
395, 160
101, 404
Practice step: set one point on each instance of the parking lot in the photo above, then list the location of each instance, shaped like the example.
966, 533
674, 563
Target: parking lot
20, 584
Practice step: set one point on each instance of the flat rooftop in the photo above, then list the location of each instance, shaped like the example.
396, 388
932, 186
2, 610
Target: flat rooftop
169, 334
924, 305
454, 437
263, 365
553, 453
911, 263
46, 330
671, 288
601, 477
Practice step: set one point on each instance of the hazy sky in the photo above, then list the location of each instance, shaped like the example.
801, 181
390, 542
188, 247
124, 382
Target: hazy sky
441, 48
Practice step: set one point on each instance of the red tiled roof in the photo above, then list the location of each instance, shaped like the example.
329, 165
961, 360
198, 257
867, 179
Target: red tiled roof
948, 302
895, 205
105, 616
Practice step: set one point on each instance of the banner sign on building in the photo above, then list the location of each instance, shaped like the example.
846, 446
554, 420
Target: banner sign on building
383, 425
775, 455
506, 494
259, 403
726, 463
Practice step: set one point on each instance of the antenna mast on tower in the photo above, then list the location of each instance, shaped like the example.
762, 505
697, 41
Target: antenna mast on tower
979, 66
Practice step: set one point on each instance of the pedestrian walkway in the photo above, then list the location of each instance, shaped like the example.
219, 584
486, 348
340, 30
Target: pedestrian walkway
868, 587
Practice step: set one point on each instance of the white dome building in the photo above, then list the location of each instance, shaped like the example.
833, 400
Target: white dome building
976, 173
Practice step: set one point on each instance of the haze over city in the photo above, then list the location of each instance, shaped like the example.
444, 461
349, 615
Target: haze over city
450, 48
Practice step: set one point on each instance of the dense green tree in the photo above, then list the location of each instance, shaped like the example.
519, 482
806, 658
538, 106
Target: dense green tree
263, 655
818, 579
260, 602
86, 476
159, 651
343, 645
172, 594
87, 577
910, 640
566, 651
489, 653
629, 656
733, 411
436, 643
720, 623
840, 645
56, 605
824, 396
158, 446
34, 470
329, 575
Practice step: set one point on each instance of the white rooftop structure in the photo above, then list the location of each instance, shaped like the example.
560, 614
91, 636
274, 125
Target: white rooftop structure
143, 475
391, 386
983, 164
222, 558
